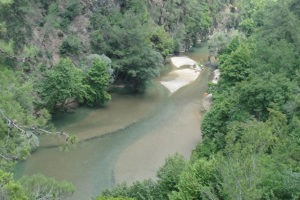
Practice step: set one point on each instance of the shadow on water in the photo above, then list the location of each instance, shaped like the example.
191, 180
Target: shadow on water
90, 166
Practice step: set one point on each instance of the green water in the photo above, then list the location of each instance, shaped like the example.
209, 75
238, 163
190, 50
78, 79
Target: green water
107, 132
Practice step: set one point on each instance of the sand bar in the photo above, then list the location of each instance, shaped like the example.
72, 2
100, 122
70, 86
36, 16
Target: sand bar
183, 61
181, 77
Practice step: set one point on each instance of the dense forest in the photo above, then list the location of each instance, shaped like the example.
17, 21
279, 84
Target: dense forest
56, 55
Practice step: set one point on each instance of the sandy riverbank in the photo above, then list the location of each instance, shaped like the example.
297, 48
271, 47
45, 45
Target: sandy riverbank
179, 78
180, 61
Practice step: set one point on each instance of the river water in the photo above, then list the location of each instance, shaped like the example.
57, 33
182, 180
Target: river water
127, 140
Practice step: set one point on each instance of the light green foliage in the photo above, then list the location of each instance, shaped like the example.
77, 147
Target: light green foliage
16, 103
97, 81
7, 47
146, 189
10, 189
61, 82
30, 51
39, 186
112, 198
5, 2
195, 181
256, 159
235, 66
240, 167
247, 167
250, 147
168, 177
169, 174
247, 26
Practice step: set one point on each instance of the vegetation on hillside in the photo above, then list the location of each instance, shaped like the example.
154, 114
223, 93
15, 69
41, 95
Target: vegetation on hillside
250, 147
56, 54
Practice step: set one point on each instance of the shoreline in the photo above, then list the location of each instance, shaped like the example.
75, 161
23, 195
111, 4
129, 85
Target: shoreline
180, 133
181, 77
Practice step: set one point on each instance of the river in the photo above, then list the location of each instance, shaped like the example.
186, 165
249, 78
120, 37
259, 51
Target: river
127, 140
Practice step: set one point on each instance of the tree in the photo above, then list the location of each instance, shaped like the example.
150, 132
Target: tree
139, 190
220, 40
196, 182
97, 81
196, 20
112, 198
60, 83
10, 189
41, 187
126, 40
169, 174
267, 91
17, 108
162, 42
235, 67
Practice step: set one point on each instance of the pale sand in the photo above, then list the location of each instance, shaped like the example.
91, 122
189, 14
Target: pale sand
183, 61
182, 78
144, 157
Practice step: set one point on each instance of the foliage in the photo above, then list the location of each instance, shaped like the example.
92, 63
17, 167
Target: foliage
112, 198
169, 174
61, 82
97, 80
18, 120
146, 189
196, 20
195, 181
73, 8
250, 145
162, 42
220, 40
186, 20
17, 28
38, 186
247, 26
235, 66
251, 140
126, 40
168, 178
10, 189
70, 45
16, 103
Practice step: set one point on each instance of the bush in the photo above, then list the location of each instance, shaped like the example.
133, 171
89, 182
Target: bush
70, 45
